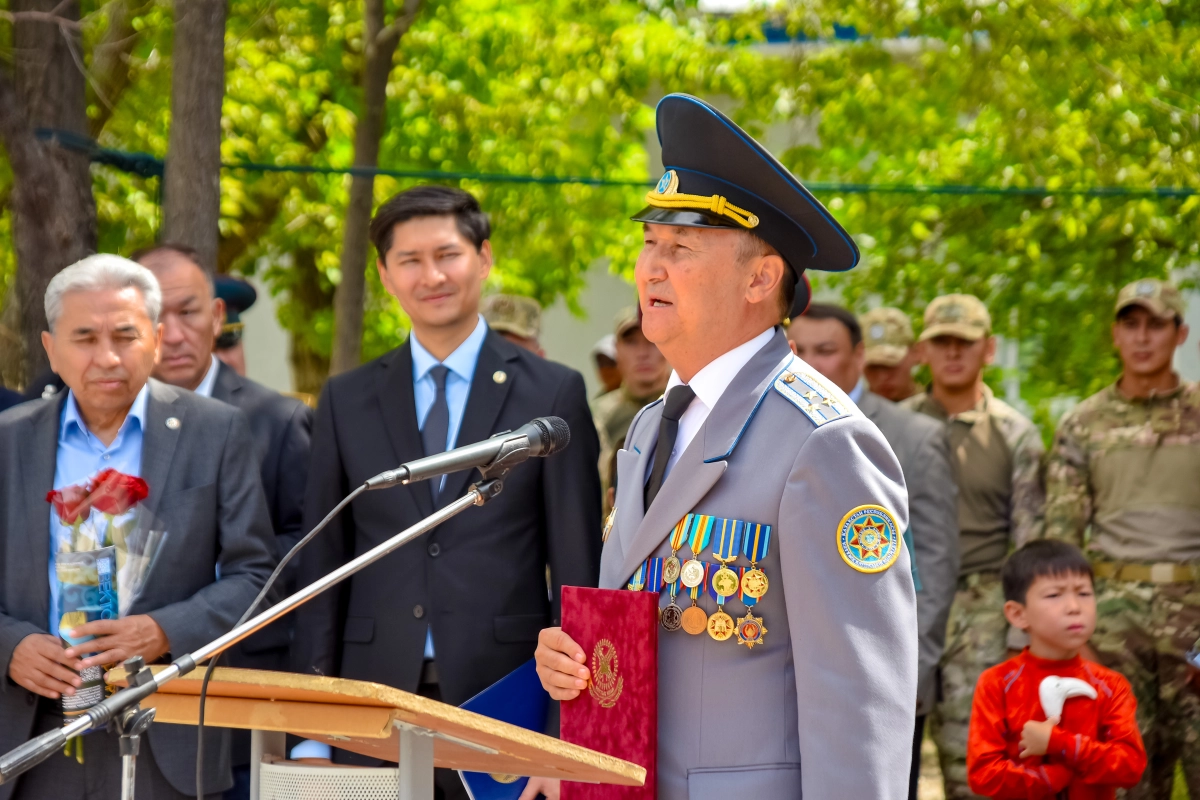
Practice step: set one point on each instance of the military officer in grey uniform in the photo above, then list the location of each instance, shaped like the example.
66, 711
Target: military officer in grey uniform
804, 681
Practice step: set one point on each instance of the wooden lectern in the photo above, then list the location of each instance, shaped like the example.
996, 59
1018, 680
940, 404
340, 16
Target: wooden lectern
377, 721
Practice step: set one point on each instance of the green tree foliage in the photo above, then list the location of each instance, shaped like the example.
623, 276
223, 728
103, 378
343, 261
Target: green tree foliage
1058, 96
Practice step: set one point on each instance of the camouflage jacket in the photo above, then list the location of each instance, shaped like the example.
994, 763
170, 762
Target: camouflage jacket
997, 453
1126, 472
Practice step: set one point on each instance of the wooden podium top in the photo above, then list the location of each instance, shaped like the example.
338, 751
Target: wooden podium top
364, 717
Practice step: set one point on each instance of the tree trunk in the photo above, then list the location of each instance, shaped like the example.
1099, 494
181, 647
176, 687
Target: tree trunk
380, 40
309, 366
54, 213
192, 180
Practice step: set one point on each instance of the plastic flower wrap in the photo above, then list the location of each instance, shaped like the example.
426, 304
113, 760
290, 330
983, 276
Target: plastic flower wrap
104, 547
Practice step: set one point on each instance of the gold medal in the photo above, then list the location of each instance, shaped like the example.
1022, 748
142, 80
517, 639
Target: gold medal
694, 620
671, 570
692, 574
750, 630
754, 583
720, 625
672, 617
725, 582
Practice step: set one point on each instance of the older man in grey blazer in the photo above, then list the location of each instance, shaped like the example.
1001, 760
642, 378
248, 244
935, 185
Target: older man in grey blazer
808, 685
830, 339
204, 487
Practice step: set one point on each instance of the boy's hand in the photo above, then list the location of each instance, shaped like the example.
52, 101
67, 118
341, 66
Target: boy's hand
1035, 737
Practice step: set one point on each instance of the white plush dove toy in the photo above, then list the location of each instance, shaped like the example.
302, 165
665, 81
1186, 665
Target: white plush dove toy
1054, 692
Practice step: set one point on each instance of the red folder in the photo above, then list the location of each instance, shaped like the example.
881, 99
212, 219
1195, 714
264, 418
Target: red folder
618, 713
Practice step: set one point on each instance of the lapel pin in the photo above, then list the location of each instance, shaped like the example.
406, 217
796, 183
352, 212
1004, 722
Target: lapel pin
173, 423
499, 376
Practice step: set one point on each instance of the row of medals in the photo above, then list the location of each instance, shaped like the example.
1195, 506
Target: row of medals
720, 626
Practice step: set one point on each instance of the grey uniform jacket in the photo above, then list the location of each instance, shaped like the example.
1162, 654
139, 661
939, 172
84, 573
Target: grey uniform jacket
824, 707
204, 488
924, 453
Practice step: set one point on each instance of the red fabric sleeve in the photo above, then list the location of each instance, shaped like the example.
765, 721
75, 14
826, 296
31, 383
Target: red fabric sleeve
1118, 758
990, 771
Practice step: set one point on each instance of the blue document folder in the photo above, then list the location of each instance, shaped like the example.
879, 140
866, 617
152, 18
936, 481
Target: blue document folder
518, 699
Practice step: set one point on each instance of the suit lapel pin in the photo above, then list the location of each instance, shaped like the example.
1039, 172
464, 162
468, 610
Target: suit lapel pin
173, 423
499, 376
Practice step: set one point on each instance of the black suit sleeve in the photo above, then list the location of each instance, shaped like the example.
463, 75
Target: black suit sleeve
571, 494
315, 647
292, 468
247, 552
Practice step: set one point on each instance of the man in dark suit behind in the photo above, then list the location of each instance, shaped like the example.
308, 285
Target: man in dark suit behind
460, 607
203, 487
281, 426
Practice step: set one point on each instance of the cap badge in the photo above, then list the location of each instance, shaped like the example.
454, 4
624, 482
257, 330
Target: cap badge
668, 183
499, 376
173, 423
868, 539
877, 331
1145, 289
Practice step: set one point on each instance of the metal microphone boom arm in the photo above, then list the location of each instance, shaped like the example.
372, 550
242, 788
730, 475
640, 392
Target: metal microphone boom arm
35, 751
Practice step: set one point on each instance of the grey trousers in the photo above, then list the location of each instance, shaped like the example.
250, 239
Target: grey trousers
99, 776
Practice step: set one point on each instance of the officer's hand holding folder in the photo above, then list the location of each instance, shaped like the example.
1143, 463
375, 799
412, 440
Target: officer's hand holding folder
617, 714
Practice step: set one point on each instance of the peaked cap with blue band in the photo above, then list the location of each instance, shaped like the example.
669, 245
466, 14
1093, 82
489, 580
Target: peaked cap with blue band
719, 177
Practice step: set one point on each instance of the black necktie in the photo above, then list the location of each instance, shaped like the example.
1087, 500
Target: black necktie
437, 424
678, 400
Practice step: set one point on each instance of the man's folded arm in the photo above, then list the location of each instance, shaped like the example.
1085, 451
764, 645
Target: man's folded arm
246, 555
841, 466
571, 494
314, 649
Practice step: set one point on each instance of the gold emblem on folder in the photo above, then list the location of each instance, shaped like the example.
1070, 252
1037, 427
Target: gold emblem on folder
605, 685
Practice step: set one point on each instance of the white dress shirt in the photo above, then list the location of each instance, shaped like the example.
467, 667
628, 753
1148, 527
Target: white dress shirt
709, 384
205, 389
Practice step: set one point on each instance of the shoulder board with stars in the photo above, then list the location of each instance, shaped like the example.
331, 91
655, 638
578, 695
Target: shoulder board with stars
808, 393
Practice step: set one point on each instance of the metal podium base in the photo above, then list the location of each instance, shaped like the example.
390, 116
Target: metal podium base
412, 781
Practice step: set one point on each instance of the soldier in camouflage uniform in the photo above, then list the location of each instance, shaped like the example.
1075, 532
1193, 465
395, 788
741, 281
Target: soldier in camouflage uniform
890, 355
1124, 478
997, 454
516, 318
644, 374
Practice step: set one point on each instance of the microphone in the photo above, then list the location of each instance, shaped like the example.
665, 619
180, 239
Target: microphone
541, 437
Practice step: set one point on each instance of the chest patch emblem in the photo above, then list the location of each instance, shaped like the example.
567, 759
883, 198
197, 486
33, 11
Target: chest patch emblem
868, 539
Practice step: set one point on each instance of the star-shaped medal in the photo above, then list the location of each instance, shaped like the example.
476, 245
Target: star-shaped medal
870, 538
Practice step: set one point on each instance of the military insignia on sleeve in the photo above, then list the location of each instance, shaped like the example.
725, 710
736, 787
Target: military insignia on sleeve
868, 539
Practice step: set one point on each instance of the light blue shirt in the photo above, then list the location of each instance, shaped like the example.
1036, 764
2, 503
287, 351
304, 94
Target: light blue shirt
80, 456
462, 363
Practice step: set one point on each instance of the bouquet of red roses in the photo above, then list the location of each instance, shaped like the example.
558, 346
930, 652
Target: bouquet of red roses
104, 545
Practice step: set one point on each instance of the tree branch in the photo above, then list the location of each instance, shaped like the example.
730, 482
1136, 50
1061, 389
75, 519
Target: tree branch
401, 24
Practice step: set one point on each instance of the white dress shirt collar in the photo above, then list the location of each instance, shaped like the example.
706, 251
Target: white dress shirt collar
709, 384
205, 389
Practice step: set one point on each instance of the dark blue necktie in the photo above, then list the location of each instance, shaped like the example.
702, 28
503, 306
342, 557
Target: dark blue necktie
437, 425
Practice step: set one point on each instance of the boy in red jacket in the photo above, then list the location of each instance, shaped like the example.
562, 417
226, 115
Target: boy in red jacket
1048, 724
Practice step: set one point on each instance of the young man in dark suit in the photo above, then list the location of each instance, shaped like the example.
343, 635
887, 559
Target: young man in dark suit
460, 607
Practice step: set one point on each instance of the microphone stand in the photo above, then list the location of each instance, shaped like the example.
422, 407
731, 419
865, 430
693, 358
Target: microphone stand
123, 705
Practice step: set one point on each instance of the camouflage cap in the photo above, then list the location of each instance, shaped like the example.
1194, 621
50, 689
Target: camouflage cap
626, 320
963, 316
1160, 298
510, 313
887, 334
